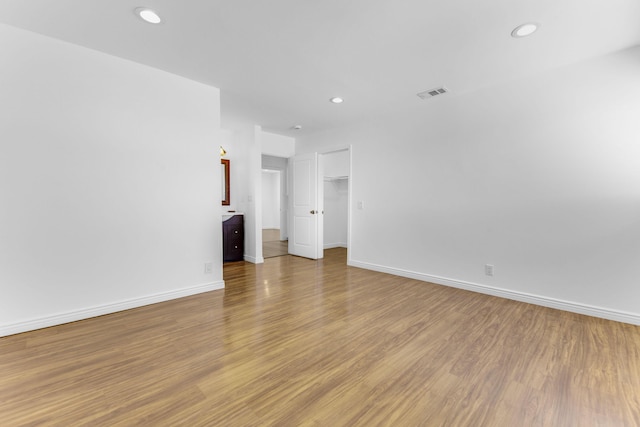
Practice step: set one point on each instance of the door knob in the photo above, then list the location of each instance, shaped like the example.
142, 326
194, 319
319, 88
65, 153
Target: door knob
312, 212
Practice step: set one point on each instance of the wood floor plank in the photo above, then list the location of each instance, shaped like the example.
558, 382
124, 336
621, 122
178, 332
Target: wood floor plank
296, 342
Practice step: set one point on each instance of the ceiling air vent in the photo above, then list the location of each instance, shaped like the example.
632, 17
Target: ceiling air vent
432, 92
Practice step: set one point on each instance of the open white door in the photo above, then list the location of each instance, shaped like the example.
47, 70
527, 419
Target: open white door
304, 225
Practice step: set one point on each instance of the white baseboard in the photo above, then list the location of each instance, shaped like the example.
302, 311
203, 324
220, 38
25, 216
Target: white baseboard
73, 316
335, 245
254, 260
589, 310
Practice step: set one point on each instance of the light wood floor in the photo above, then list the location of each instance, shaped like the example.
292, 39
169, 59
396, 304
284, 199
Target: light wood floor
301, 343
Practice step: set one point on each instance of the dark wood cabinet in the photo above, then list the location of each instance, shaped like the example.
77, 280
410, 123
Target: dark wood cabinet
233, 239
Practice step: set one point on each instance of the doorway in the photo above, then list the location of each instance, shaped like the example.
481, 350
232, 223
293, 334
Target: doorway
319, 205
335, 172
274, 207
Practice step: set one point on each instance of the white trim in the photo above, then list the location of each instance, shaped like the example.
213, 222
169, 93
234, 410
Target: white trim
254, 260
326, 150
335, 245
87, 313
349, 204
574, 307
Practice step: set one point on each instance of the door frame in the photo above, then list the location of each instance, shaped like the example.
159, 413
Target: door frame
320, 195
283, 208
349, 149
284, 193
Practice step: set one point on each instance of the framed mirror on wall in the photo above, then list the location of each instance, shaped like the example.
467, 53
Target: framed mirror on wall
224, 168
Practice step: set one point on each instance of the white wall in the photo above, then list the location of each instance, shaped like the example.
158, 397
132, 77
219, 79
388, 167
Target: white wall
538, 177
235, 144
336, 164
278, 145
270, 199
108, 177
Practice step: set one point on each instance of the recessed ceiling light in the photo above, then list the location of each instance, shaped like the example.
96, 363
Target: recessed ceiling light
297, 127
525, 30
148, 15
337, 100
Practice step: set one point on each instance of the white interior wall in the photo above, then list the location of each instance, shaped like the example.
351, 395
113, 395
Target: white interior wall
537, 177
237, 148
108, 179
336, 164
270, 199
278, 145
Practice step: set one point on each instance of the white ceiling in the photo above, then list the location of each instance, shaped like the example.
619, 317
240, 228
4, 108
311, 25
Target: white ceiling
277, 62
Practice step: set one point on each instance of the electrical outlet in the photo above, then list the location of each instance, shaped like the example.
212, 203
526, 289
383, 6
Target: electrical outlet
360, 204
488, 269
208, 267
